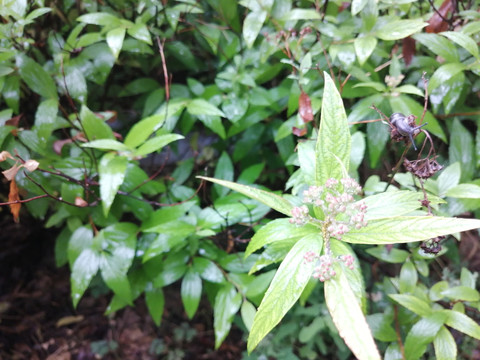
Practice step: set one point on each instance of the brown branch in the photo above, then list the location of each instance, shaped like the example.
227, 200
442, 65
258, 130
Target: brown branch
164, 66
24, 201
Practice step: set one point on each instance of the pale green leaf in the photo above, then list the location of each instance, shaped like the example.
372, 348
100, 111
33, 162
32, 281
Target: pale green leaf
463, 40
112, 172
286, 287
84, 268
203, 107
348, 317
399, 29
301, 14
100, 18
444, 73
468, 191
227, 303
403, 229
252, 25
364, 47
462, 323
106, 144
156, 143
278, 230
445, 345
333, 141
115, 40
191, 292
274, 201
413, 303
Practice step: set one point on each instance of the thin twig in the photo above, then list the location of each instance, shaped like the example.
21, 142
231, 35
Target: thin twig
164, 66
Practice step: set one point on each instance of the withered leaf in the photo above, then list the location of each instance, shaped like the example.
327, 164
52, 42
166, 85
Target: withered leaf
305, 107
14, 196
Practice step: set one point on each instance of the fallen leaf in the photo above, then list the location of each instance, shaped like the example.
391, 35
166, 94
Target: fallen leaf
68, 320
14, 196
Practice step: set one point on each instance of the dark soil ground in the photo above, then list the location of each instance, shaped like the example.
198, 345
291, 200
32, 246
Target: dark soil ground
37, 320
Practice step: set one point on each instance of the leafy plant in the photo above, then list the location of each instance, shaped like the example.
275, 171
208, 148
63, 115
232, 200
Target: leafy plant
320, 248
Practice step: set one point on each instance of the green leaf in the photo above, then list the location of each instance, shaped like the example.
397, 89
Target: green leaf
274, 201
227, 303
75, 83
413, 303
143, 129
95, 128
112, 172
408, 278
348, 317
399, 29
381, 327
224, 171
203, 107
461, 293
278, 230
115, 40
115, 278
252, 25
444, 73
84, 268
358, 5
393, 203
333, 141
377, 137
421, 334
157, 143
408, 229
36, 77
439, 46
247, 312
394, 256
100, 18
155, 302
291, 278
461, 149
118, 243
364, 47
191, 292
140, 32
463, 40
37, 13
449, 178
208, 270
106, 144
467, 191
301, 14
445, 345
462, 323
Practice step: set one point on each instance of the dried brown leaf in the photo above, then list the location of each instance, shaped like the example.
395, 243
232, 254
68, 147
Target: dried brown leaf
305, 107
14, 196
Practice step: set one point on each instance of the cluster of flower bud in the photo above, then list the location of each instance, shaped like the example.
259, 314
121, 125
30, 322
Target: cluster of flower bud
334, 202
324, 270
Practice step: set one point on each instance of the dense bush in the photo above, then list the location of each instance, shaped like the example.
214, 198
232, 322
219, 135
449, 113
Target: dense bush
111, 110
